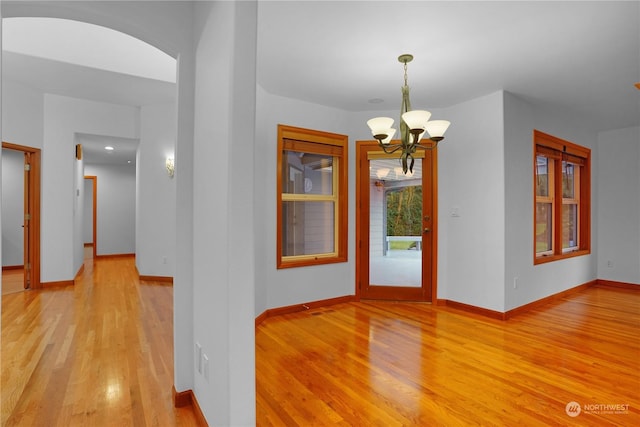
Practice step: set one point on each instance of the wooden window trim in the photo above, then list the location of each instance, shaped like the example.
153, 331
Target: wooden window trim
559, 149
315, 142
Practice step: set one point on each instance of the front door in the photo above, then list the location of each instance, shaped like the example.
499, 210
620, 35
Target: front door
395, 225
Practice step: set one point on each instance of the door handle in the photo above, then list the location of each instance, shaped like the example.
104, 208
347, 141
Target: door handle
426, 230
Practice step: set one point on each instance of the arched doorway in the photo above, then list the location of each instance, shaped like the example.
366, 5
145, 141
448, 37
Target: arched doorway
164, 28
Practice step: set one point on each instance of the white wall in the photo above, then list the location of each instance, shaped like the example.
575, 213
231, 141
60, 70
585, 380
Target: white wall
168, 26
538, 281
22, 114
22, 124
63, 184
618, 228
289, 286
12, 208
156, 201
87, 232
224, 209
471, 246
116, 210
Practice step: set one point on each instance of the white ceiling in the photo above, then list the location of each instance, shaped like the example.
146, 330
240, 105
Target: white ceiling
578, 56
93, 150
86, 61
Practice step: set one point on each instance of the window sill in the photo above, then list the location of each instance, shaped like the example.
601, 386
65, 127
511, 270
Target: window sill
557, 257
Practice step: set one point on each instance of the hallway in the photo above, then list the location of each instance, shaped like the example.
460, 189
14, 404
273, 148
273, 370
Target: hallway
98, 353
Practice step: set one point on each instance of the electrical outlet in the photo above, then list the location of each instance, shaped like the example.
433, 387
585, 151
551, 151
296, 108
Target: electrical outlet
199, 357
205, 367
609, 264
164, 259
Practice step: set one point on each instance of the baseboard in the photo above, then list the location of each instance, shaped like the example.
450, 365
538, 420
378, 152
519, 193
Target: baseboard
523, 308
457, 305
279, 311
58, 284
164, 279
80, 271
12, 267
546, 300
618, 285
187, 398
473, 309
114, 256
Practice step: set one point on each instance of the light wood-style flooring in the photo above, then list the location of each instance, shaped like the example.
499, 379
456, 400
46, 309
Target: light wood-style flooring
99, 353
398, 364
12, 281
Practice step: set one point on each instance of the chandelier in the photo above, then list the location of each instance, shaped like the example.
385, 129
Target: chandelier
413, 125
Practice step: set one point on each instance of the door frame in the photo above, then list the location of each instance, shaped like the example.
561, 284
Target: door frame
32, 199
94, 180
362, 223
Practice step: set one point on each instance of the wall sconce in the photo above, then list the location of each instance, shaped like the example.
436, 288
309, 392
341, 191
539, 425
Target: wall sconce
171, 168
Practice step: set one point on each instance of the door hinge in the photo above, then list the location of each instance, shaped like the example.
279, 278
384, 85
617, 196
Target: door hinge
27, 217
28, 266
27, 167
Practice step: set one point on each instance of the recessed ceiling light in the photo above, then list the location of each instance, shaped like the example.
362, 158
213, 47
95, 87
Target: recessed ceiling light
109, 148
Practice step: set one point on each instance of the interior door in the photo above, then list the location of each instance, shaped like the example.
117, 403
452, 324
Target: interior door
27, 221
31, 220
395, 226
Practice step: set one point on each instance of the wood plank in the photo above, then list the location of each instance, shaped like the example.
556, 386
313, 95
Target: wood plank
412, 364
99, 352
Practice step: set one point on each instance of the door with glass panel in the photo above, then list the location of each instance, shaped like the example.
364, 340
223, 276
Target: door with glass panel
395, 226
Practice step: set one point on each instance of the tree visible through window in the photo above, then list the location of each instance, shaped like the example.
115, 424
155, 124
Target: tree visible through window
404, 211
562, 198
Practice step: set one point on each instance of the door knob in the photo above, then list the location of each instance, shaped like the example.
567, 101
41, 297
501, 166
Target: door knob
426, 230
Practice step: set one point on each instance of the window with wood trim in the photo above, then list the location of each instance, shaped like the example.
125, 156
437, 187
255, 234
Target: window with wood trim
312, 197
562, 213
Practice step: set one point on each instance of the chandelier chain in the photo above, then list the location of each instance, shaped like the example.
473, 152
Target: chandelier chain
405, 73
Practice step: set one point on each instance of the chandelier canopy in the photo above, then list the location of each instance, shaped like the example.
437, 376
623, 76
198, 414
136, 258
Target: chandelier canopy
413, 125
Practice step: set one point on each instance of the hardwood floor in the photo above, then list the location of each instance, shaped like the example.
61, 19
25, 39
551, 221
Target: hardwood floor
99, 353
12, 281
398, 364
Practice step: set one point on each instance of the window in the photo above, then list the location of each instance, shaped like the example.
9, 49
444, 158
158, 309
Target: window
562, 215
312, 197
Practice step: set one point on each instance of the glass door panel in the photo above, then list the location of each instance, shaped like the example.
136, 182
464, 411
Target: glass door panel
395, 224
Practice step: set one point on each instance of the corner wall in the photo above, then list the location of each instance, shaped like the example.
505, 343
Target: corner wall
535, 282
224, 210
471, 179
156, 192
618, 229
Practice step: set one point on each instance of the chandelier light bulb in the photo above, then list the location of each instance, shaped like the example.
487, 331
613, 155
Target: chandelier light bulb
437, 128
416, 119
380, 126
389, 137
